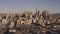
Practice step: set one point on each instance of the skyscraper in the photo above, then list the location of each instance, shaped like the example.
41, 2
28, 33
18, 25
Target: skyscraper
45, 14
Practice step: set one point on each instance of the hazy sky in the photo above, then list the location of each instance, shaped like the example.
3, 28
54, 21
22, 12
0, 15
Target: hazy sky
50, 5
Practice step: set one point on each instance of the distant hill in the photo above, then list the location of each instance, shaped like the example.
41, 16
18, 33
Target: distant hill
56, 14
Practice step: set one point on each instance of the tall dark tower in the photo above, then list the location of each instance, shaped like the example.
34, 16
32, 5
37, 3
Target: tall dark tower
45, 14
37, 13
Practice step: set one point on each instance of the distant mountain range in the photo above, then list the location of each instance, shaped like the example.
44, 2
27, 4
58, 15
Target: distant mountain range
56, 14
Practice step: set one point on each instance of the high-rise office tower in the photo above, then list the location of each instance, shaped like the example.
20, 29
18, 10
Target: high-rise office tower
45, 14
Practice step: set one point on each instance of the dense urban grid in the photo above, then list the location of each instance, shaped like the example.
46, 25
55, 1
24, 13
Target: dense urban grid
29, 23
